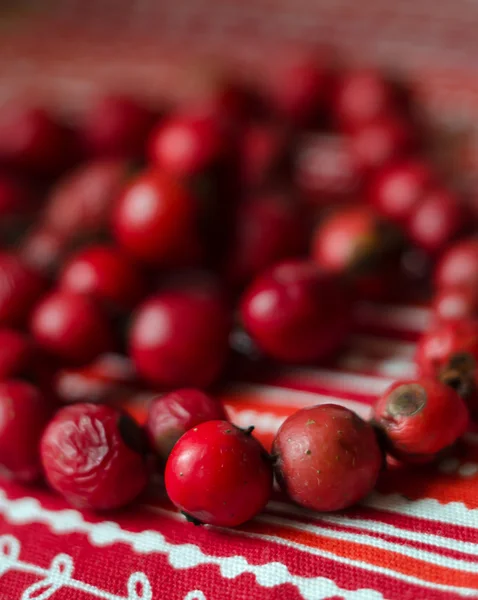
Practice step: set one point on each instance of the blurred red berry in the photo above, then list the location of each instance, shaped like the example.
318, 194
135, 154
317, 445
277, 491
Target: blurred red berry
455, 303
263, 154
16, 352
458, 266
20, 289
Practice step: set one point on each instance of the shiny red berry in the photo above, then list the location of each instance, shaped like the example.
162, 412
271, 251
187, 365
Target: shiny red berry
105, 274
71, 327
296, 312
16, 352
187, 144
116, 126
458, 265
179, 337
455, 303
24, 414
218, 474
20, 289
420, 418
397, 189
263, 154
268, 227
154, 220
93, 455
326, 457
172, 414
436, 220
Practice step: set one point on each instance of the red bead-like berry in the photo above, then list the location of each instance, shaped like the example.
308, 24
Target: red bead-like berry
24, 413
20, 289
453, 303
105, 274
94, 456
218, 474
326, 457
263, 154
154, 219
420, 418
295, 312
180, 337
71, 327
171, 415
458, 266
16, 352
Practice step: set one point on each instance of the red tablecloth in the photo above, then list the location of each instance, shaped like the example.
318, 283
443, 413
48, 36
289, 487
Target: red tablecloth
415, 537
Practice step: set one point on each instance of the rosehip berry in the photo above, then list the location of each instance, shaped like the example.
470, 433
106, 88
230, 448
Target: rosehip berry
455, 303
326, 457
71, 327
458, 266
377, 143
24, 413
362, 96
397, 189
295, 312
436, 220
16, 351
93, 455
268, 228
81, 202
420, 418
171, 415
116, 126
154, 219
20, 288
298, 91
187, 144
105, 274
180, 338
351, 240
218, 474
263, 154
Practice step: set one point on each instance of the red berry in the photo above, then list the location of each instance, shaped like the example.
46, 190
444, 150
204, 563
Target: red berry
458, 266
24, 413
455, 303
219, 475
31, 140
397, 189
116, 126
377, 143
361, 96
326, 171
326, 458
187, 144
20, 288
420, 418
94, 456
42, 249
436, 220
154, 219
180, 337
16, 351
81, 202
171, 415
15, 198
297, 93
296, 313
71, 327
105, 274
263, 153
268, 227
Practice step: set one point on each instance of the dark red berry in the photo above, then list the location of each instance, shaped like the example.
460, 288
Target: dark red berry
171, 415
154, 219
15, 197
105, 274
420, 418
180, 337
187, 144
458, 266
397, 189
295, 312
116, 126
263, 154
16, 352
326, 457
219, 474
71, 327
436, 220
20, 289
24, 414
93, 455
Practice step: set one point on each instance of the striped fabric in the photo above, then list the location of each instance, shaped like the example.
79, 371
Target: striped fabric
415, 537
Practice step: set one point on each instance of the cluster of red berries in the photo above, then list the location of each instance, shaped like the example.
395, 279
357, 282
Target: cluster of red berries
130, 237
